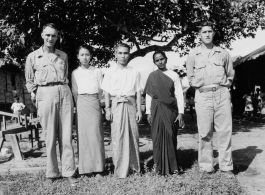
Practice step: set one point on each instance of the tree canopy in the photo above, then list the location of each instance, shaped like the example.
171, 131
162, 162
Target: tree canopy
149, 25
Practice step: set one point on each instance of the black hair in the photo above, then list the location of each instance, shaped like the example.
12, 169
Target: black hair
161, 52
51, 25
122, 45
85, 46
206, 23
16, 98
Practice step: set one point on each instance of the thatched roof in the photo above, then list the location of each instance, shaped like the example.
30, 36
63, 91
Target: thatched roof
235, 58
251, 56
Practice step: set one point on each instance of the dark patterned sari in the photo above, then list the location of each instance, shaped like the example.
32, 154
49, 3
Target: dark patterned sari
163, 129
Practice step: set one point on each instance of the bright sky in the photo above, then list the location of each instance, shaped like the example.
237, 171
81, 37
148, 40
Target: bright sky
240, 47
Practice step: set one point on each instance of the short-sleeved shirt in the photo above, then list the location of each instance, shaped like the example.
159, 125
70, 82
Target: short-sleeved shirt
42, 68
215, 69
16, 106
86, 81
121, 81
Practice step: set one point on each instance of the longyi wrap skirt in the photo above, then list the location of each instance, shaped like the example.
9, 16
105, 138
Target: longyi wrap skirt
91, 152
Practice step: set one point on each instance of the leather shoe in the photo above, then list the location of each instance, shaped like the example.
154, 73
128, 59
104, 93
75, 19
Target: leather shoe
228, 174
49, 181
72, 180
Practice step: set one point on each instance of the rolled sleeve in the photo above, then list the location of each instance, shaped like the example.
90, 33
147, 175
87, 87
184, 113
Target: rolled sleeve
229, 68
190, 68
29, 75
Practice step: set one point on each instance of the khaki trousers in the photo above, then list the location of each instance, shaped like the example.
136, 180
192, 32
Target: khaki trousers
55, 109
214, 112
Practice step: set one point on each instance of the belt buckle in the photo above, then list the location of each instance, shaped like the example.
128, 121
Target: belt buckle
214, 88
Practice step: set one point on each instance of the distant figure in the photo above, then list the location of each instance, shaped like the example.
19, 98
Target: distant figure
17, 107
248, 105
262, 105
210, 71
86, 88
190, 95
255, 100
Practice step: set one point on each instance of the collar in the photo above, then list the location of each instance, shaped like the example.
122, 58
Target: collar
215, 48
117, 67
40, 52
86, 69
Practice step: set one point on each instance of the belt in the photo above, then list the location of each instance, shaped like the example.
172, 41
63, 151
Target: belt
52, 84
204, 89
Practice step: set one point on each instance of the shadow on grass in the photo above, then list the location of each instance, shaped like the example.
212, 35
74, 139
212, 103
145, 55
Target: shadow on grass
243, 158
246, 126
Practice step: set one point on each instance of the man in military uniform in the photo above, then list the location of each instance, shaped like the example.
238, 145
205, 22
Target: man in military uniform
210, 72
46, 74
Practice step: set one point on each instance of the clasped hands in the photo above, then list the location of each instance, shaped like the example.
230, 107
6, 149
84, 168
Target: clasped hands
109, 115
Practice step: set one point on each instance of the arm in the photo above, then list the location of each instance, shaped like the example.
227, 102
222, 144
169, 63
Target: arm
138, 97
190, 68
229, 69
100, 78
107, 107
180, 101
74, 87
148, 101
138, 102
66, 66
29, 75
23, 106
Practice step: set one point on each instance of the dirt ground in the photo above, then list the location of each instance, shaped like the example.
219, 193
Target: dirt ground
248, 150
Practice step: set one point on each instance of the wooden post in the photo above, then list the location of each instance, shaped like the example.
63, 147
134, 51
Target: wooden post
5, 90
4, 123
1, 143
15, 147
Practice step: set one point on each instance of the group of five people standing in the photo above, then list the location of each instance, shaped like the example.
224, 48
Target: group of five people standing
46, 74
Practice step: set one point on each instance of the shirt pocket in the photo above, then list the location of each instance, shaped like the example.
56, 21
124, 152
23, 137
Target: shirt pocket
219, 68
60, 67
60, 64
199, 70
200, 64
42, 74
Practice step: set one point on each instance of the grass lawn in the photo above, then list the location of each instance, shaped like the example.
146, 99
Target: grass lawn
190, 182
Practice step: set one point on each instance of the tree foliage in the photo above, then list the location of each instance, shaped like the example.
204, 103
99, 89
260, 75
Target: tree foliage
149, 25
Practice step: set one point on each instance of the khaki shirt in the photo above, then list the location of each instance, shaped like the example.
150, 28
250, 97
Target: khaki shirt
42, 69
215, 69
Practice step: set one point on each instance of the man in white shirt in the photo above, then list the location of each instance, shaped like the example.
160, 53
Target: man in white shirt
122, 83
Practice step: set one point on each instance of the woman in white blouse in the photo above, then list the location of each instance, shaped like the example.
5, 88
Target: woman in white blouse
86, 83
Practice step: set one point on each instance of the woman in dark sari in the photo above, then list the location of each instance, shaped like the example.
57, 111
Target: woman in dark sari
164, 107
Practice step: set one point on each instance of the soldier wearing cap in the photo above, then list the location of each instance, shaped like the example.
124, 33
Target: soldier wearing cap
46, 72
210, 72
